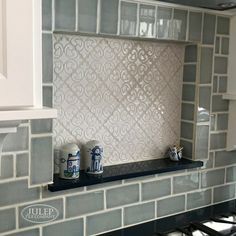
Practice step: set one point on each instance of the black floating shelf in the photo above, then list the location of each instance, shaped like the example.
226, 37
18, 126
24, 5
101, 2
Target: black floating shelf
124, 171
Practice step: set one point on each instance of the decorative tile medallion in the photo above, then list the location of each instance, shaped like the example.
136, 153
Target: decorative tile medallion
124, 93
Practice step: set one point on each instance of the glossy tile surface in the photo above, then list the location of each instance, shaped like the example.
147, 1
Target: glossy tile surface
147, 20
103, 222
47, 58
139, 213
122, 196
170, 205
109, 16
224, 193
223, 25
186, 183
65, 14
58, 210
198, 199
41, 164
47, 14
86, 203
6, 167
7, 220
17, 141
128, 23
156, 189
195, 26
201, 145
75, 227
218, 141
87, 18
9, 196
209, 29
206, 65
219, 104
22, 163
212, 178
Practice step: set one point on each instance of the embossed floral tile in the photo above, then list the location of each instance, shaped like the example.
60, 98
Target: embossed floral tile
127, 94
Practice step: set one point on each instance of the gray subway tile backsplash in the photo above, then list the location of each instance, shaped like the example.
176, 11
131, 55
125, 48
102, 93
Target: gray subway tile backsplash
201, 142
109, 16
199, 199
65, 15
209, 29
41, 126
225, 46
47, 59
7, 220
6, 167
206, 65
217, 45
222, 84
223, 24
212, 178
187, 111
47, 96
186, 183
218, 141
224, 158
17, 141
57, 204
41, 160
86, 203
47, 14
188, 148
221, 65
191, 53
139, 213
103, 222
156, 189
24, 194
231, 174
223, 193
122, 196
219, 104
170, 205
31, 232
186, 130
87, 17
188, 93
72, 227
195, 26
189, 74
22, 163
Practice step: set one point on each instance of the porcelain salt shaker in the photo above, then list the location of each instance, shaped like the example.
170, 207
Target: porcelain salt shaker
69, 161
93, 157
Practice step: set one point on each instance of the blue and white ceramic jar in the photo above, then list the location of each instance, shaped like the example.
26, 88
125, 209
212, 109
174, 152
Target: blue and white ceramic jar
93, 157
69, 161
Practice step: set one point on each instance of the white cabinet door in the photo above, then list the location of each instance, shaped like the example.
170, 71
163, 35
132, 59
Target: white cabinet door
20, 53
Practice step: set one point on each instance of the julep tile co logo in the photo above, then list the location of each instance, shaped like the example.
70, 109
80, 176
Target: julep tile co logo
39, 213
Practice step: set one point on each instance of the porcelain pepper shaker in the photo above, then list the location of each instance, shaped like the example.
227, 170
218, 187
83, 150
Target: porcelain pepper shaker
93, 157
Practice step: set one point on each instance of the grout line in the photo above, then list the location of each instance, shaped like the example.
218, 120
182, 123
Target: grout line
76, 15
105, 199
17, 218
98, 16
84, 225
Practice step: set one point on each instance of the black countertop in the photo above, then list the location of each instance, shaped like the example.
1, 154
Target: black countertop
124, 171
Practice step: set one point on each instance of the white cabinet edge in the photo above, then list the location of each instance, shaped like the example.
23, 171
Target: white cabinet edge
27, 114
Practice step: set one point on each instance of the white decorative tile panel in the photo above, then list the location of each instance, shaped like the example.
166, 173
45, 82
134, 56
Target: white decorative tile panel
127, 94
